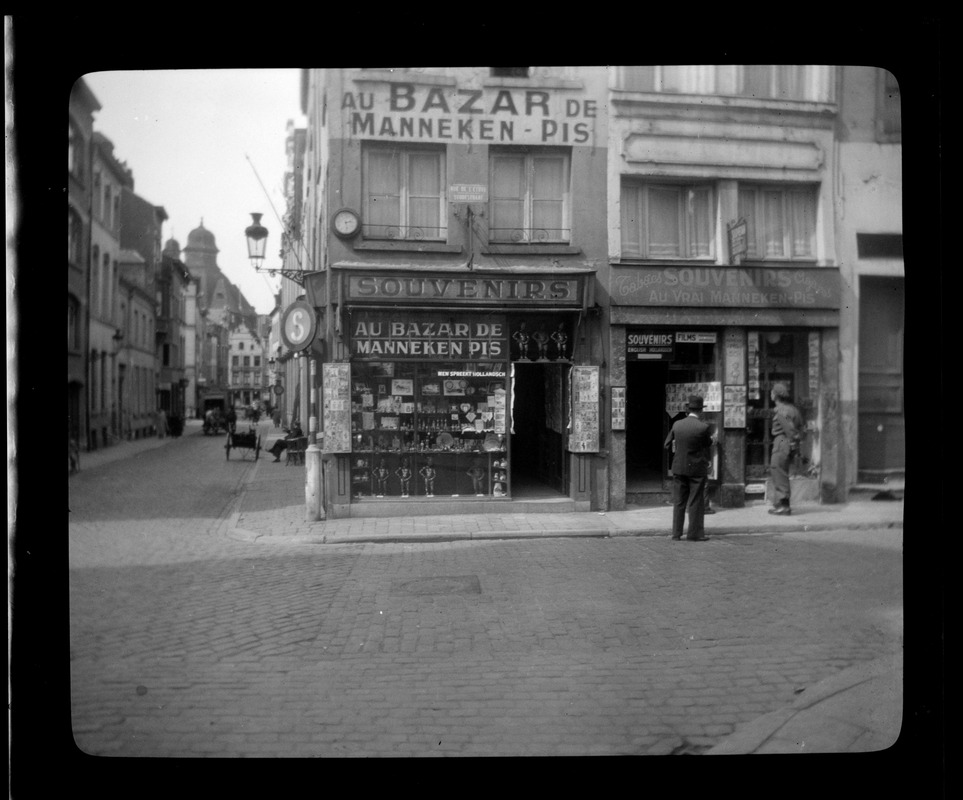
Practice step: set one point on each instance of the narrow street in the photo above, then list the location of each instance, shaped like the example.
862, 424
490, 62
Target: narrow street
184, 642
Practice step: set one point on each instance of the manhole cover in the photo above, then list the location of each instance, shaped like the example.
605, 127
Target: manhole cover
440, 584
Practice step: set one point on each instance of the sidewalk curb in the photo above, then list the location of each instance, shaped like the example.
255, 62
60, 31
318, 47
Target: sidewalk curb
247, 535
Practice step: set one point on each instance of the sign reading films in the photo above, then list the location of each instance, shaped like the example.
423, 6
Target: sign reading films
399, 111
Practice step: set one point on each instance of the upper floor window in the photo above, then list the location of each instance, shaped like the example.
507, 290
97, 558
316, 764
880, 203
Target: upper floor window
247, 361
75, 158
667, 220
108, 209
74, 239
235, 361
529, 195
73, 323
763, 81
890, 115
510, 72
404, 193
780, 222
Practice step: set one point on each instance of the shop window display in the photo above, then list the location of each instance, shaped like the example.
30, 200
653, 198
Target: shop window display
787, 357
429, 430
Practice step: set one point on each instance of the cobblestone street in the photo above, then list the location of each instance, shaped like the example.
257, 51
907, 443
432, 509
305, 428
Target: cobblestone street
187, 643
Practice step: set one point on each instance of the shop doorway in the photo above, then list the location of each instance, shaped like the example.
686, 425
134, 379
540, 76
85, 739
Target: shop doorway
646, 426
537, 455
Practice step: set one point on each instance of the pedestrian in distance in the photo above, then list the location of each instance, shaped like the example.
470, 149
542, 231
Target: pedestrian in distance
161, 423
276, 417
281, 445
787, 426
690, 468
231, 418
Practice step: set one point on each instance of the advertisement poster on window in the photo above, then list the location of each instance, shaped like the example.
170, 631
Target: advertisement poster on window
584, 433
618, 408
677, 396
734, 406
336, 411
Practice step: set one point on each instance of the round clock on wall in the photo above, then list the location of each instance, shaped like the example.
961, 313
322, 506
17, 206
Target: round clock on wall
346, 223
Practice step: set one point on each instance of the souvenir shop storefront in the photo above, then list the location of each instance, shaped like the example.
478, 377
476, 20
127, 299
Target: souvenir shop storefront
727, 334
452, 392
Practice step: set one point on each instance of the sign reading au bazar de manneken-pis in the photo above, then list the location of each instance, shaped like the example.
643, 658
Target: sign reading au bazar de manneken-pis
406, 111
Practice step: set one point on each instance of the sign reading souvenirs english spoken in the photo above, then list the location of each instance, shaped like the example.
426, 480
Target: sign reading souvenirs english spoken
536, 290
400, 111
649, 345
727, 287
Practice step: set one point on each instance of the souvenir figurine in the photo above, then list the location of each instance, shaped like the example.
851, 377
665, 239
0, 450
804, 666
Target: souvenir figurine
404, 474
560, 337
477, 475
521, 336
541, 339
381, 475
428, 473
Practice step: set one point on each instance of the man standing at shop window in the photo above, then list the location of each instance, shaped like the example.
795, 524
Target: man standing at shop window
691, 439
787, 425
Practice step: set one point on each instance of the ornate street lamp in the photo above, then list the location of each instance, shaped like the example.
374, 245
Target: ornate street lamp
256, 241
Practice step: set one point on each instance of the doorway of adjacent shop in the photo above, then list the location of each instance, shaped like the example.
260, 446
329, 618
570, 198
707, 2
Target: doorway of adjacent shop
646, 426
537, 455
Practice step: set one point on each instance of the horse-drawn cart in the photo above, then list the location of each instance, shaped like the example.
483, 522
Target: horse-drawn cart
243, 441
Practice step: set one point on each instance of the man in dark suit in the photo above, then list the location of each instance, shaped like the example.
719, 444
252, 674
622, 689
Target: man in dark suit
692, 439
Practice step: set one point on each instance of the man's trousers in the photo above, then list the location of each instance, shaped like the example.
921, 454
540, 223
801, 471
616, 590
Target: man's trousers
689, 495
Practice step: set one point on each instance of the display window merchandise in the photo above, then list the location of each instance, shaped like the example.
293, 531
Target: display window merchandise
429, 429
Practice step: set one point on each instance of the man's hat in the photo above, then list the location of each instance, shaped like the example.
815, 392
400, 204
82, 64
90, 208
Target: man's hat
695, 402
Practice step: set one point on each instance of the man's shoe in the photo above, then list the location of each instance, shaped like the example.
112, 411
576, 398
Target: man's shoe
676, 538
782, 511
710, 511
698, 539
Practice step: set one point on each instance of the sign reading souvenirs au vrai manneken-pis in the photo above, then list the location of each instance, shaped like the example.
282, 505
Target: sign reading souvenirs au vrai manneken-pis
744, 287
397, 111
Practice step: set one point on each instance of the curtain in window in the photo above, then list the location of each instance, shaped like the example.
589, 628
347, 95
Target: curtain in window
507, 195
774, 225
548, 192
384, 189
803, 221
700, 222
631, 216
663, 222
424, 192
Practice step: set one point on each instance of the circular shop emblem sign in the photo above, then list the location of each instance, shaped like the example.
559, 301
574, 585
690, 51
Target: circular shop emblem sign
278, 389
298, 325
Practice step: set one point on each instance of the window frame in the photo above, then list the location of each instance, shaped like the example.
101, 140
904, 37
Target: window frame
402, 229
687, 223
756, 233
528, 233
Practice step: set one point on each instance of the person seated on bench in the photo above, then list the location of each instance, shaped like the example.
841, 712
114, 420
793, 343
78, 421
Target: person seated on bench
281, 445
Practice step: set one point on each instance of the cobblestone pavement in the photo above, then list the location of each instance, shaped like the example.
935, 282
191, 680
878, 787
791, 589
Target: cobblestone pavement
185, 642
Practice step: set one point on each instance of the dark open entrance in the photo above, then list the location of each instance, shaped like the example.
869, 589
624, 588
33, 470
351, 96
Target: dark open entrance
537, 442
646, 426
